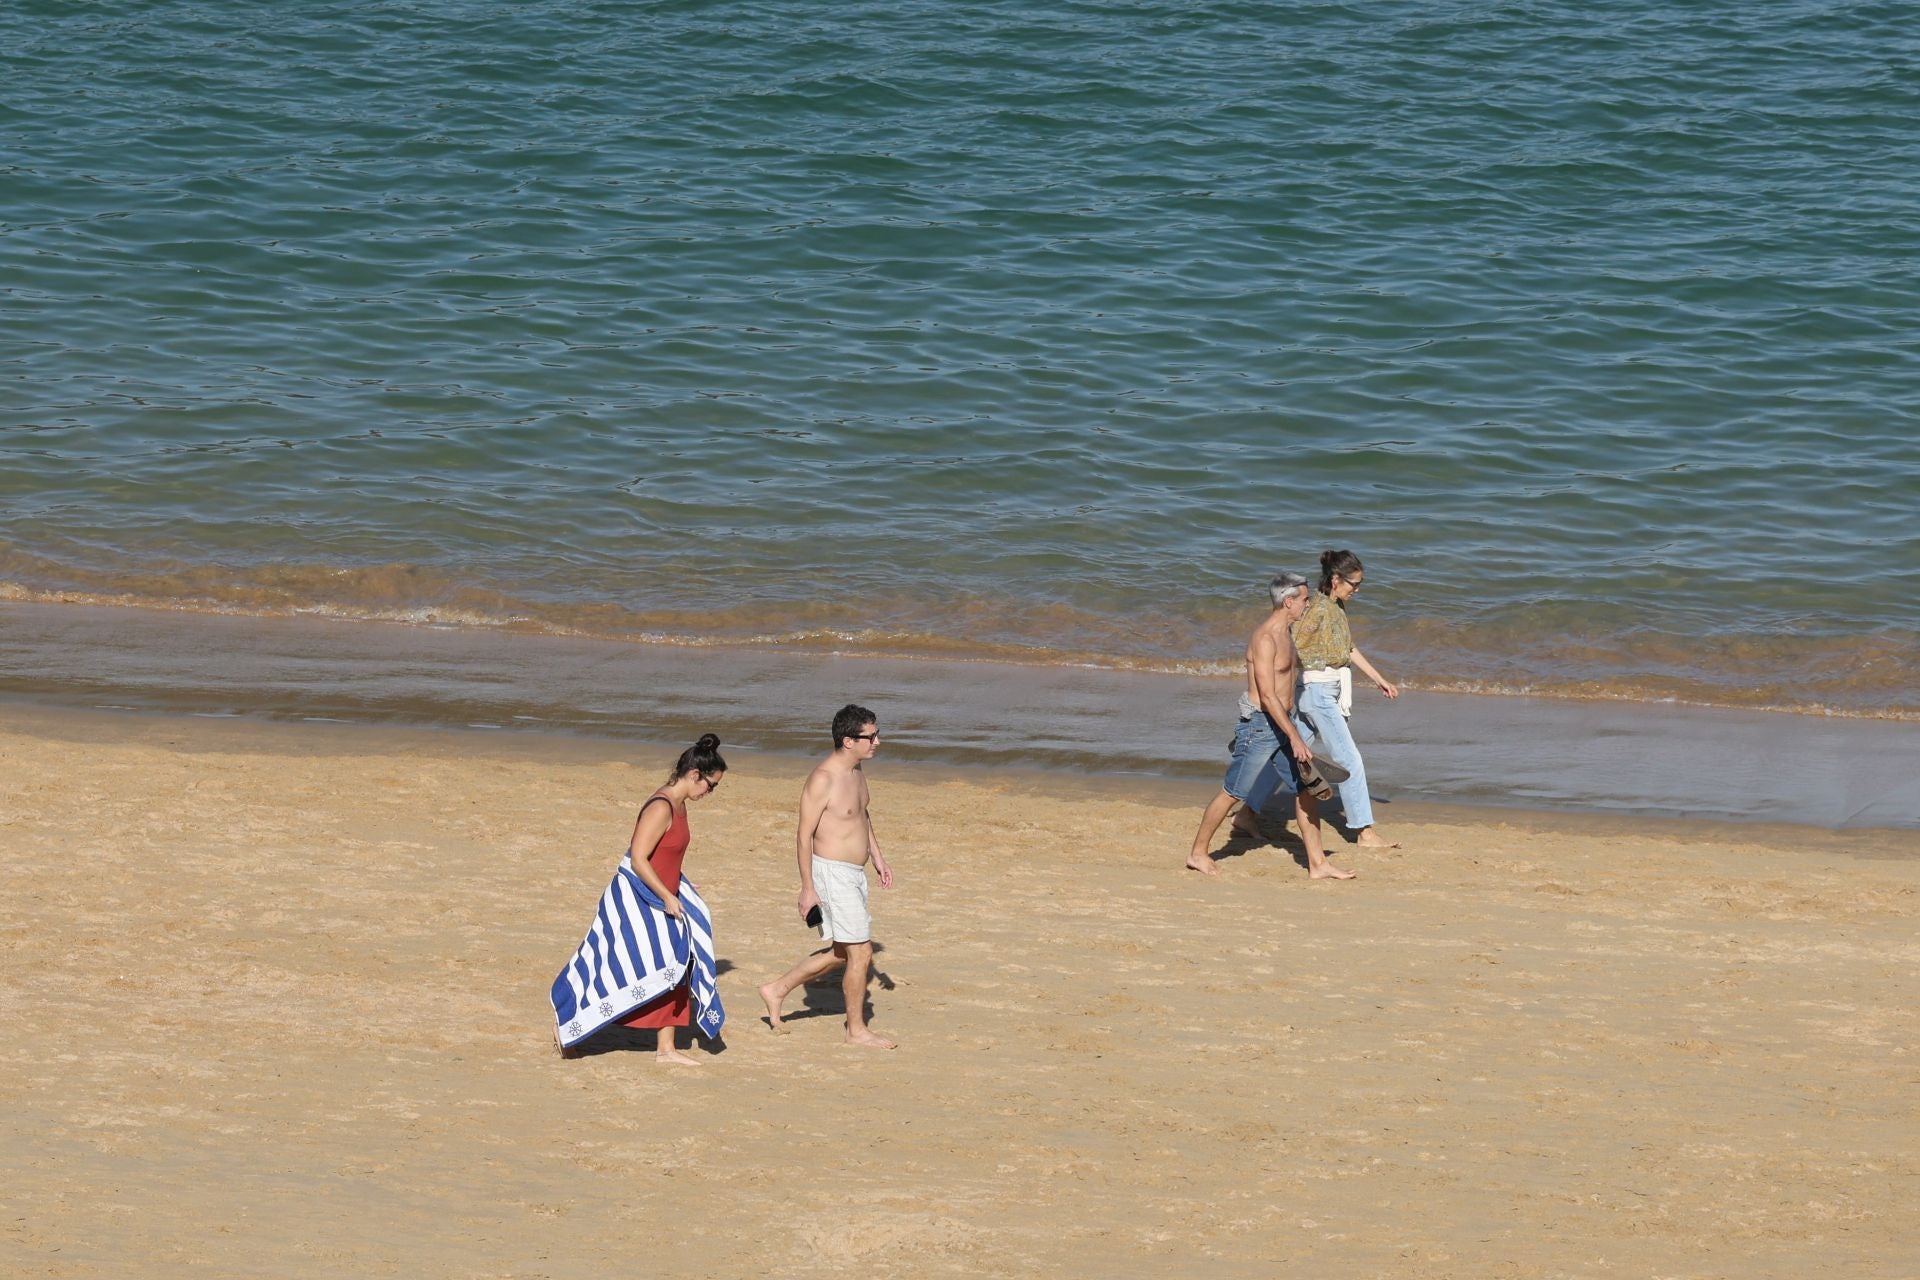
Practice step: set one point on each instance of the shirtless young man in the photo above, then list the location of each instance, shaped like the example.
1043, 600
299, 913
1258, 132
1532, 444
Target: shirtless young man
1266, 729
833, 846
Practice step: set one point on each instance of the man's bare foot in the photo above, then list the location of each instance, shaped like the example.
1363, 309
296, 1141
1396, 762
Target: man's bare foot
1327, 871
1203, 863
773, 998
1246, 825
675, 1058
868, 1040
1369, 838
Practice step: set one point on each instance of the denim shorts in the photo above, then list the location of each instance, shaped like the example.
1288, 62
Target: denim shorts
1262, 766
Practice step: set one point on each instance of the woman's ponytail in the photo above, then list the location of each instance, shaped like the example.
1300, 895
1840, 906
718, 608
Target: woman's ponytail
1337, 564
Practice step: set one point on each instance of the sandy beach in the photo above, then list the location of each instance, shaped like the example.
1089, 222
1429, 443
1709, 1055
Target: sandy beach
275, 1000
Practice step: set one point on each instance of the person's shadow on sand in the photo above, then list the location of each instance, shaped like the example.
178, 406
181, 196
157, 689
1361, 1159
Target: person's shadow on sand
631, 1039
1277, 831
1240, 844
822, 997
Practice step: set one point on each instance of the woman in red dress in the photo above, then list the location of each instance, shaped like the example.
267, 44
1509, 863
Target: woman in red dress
658, 848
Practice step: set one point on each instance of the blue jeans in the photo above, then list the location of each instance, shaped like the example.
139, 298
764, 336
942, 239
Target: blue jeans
1320, 708
1262, 766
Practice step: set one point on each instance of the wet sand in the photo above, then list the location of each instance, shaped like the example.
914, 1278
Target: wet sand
275, 1001
1653, 758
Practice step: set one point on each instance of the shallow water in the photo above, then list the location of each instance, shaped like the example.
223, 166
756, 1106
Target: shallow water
1040, 332
1611, 757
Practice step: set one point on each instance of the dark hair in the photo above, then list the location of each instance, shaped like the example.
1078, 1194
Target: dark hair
703, 758
1343, 563
849, 720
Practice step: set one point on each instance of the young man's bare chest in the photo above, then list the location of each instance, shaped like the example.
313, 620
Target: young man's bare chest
847, 798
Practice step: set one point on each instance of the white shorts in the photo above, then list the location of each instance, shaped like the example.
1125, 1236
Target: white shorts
842, 889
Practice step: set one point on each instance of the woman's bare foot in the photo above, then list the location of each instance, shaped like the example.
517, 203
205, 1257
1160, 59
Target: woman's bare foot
867, 1040
1203, 863
1370, 838
1327, 871
675, 1058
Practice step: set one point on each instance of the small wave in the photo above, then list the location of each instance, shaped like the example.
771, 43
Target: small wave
1628, 690
1759, 673
612, 623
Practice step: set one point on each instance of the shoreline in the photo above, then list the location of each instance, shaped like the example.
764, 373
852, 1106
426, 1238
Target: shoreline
1497, 752
276, 996
1756, 691
202, 734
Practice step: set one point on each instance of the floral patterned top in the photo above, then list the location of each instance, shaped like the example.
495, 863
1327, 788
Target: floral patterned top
1321, 635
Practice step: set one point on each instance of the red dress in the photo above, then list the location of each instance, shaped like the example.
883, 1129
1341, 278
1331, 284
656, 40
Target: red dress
675, 1008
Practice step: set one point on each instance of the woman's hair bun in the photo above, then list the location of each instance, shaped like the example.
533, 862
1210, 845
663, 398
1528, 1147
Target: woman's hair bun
702, 757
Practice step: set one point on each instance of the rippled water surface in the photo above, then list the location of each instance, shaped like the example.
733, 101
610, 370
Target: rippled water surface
1038, 329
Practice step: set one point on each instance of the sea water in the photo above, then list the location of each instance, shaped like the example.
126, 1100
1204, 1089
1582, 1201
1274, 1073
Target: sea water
1039, 332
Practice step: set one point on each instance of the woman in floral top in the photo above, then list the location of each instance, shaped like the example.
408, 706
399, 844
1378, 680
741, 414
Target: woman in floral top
1327, 659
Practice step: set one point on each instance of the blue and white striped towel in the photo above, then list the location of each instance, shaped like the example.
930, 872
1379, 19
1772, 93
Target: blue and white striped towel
635, 952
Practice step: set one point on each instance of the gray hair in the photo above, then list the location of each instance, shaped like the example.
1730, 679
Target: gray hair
1283, 586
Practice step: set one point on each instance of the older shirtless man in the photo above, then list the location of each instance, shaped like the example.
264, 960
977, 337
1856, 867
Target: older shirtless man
1266, 735
834, 844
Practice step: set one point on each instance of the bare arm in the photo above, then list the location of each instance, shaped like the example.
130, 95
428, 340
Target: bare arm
1273, 670
652, 823
880, 867
813, 803
1387, 686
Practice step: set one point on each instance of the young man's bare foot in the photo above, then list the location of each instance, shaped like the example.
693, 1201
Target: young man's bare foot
1369, 838
1327, 871
675, 1058
868, 1040
1203, 863
1245, 824
773, 998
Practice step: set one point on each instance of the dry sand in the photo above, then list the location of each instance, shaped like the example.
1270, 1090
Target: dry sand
275, 1001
